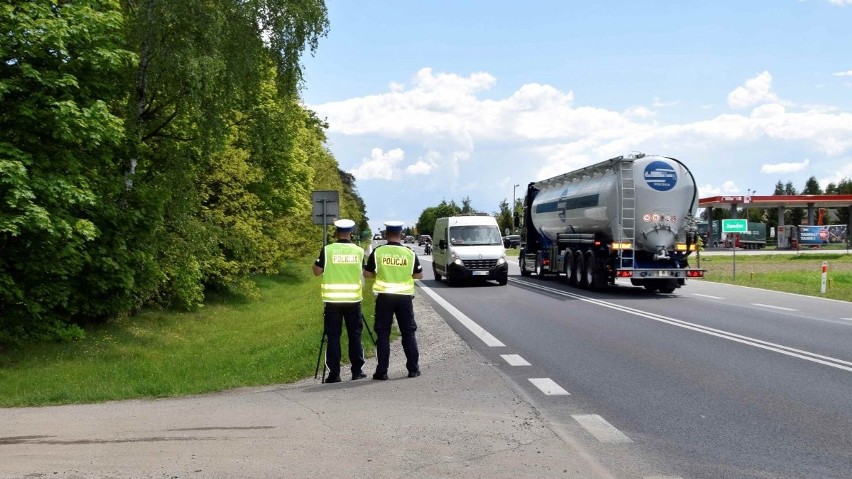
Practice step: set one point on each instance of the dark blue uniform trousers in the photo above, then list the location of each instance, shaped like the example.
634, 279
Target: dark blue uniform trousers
388, 305
333, 313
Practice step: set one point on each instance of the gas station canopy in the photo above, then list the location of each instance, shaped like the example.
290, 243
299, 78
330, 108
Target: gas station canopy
774, 201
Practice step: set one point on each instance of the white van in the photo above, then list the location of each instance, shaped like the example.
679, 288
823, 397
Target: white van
466, 247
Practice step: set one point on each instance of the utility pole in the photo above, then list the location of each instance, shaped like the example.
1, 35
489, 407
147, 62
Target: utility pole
514, 201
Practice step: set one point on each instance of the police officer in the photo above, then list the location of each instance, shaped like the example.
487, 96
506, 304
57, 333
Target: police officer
395, 268
340, 265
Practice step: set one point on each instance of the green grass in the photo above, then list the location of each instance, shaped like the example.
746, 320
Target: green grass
229, 343
792, 273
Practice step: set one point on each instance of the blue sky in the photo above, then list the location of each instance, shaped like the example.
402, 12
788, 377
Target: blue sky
435, 100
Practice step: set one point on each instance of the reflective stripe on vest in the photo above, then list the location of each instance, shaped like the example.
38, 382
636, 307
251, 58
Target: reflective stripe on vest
341, 277
394, 267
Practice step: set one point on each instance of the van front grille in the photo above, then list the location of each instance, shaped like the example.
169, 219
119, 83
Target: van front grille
480, 264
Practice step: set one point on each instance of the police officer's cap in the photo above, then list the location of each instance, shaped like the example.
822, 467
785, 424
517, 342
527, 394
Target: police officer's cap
344, 225
394, 226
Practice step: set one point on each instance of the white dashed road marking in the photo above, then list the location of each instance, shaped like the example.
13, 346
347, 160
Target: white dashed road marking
515, 360
707, 296
602, 430
548, 387
468, 323
773, 307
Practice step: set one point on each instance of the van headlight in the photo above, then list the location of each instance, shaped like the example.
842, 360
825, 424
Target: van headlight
459, 262
501, 261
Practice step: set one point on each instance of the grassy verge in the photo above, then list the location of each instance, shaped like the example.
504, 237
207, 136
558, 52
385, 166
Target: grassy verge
229, 343
784, 272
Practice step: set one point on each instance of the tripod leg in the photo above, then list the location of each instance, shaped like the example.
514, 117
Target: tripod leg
319, 357
369, 333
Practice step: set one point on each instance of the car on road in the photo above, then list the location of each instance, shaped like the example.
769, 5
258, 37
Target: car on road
424, 239
511, 241
409, 239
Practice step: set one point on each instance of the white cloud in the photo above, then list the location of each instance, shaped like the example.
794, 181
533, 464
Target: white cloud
420, 168
756, 90
727, 188
785, 167
541, 131
380, 165
847, 73
639, 112
841, 2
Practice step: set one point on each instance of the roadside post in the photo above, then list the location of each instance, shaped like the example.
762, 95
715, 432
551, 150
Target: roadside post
824, 277
326, 208
732, 227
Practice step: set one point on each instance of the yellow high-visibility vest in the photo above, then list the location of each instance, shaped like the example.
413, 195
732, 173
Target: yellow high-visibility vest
394, 267
341, 277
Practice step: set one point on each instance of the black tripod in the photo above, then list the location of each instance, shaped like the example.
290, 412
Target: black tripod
322, 344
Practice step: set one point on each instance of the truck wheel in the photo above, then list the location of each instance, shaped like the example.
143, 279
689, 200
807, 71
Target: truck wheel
566, 266
435, 273
523, 264
594, 276
587, 271
576, 268
667, 290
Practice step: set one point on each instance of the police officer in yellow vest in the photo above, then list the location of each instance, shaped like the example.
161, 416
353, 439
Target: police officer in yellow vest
395, 268
340, 265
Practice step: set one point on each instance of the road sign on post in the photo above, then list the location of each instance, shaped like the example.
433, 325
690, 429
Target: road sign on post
734, 226
326, 209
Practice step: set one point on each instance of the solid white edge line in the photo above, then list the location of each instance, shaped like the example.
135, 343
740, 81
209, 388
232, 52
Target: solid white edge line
515, 360
773, 307
804, 296
786, 350
474, 328
707, 296
548, 387
602, 430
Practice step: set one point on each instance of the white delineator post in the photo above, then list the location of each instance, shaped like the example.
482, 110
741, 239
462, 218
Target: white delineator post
824, 275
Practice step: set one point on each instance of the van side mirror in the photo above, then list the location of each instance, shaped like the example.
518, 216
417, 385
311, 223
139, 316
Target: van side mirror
442, 244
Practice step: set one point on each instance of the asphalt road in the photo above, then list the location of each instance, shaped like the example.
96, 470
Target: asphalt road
710, 381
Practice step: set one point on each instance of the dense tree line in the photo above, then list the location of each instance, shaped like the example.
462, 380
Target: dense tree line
151, 151
426, 221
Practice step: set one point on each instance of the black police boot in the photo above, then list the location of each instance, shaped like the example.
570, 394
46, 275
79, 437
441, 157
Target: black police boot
380, 376
358, 375
333, 379
413, 374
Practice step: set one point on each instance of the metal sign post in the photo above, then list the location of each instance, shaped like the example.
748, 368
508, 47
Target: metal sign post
730, 227
326, 208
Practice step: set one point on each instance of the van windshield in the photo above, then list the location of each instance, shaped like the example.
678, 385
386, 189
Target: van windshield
475, 235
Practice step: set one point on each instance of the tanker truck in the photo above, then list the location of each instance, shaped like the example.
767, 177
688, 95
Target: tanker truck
627, 217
